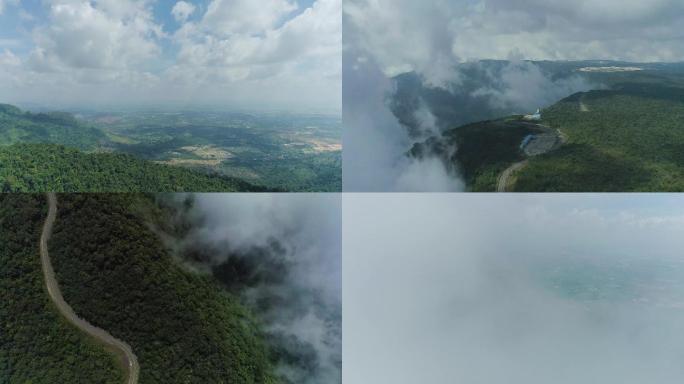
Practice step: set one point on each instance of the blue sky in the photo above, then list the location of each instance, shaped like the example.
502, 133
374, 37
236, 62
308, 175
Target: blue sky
218, 52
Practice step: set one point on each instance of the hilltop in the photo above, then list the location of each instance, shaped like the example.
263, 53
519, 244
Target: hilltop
17, 126
627, 136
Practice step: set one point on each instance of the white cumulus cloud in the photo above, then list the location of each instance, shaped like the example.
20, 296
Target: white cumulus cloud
95, 35
182, 10
244, 54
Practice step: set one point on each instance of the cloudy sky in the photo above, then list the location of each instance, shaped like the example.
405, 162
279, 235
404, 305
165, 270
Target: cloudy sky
520, 289
404, 34
307, 291
281, 54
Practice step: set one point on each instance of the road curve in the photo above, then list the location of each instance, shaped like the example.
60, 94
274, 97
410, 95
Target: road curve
502, 182
117, 346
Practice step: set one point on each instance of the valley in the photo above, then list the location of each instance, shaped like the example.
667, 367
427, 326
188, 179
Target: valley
276, 150
269, 151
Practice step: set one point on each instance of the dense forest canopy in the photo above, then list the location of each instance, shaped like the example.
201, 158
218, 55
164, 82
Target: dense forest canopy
630, 138
49, 167
626, 136
36, 344
63, 128
117, 274
183, 327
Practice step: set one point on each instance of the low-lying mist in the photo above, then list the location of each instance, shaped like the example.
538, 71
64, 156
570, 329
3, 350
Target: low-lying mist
281, 254
376, 143
513, 289
385, 114
482, 90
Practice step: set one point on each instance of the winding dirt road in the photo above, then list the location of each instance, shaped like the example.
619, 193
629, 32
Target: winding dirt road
502, 182
120, 348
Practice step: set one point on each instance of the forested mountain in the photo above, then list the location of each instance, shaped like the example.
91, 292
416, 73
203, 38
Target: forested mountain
114, 271
630, 138
49, 167
627, 135
17, 126
183, 327
36, 344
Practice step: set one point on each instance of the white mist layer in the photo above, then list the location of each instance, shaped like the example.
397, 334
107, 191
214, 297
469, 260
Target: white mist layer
306, 299
522, 86
376, 144
539, 289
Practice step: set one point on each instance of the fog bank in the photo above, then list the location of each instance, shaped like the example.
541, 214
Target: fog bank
281, 253
513, 288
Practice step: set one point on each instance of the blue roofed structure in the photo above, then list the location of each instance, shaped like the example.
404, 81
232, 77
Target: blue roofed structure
526, 141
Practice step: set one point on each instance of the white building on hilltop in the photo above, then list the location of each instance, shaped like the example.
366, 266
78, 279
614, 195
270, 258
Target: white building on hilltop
536, 116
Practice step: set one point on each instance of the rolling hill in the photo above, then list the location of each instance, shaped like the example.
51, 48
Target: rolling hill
484, 149
628, 136
17, 126
52, 167
114, 270
283, 152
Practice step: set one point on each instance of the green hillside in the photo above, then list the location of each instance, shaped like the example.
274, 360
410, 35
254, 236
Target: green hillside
627, 139
17, 126
484, 149
49, 167
115, 271
36, 345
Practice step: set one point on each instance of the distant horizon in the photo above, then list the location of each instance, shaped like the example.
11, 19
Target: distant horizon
588, 61
38, 107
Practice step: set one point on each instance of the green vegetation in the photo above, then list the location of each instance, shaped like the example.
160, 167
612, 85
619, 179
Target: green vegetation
17, 126
115, 272
285, 151
625, 135
48, 167
484, 149
36, 344
298, 173
630, 139
275, 151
